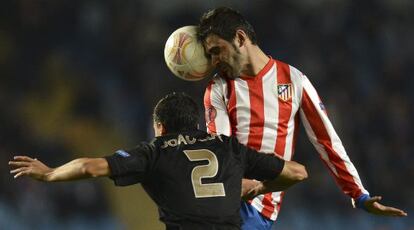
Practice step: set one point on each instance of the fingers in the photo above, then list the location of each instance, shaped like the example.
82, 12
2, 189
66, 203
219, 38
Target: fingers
18, 170
391, 211
24, 172
23, 158
19, 163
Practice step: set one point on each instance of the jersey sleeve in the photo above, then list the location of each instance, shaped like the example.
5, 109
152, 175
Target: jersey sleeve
257, 165
130, 166
216, 115
326, 141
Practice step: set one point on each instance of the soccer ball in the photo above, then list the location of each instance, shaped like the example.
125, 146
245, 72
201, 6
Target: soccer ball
185, 55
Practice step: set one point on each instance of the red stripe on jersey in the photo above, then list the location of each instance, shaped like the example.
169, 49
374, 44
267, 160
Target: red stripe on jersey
268, 207
211, 124
285, 109
345, 179
231, 107
256, 112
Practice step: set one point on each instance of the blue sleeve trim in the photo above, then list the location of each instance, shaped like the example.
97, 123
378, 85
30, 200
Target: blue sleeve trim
359, 202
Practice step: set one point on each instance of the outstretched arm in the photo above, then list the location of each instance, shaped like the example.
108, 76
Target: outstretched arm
80, 168
323, 136
291, 174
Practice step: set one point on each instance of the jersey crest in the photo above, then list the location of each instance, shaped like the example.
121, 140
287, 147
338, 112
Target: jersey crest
285, 91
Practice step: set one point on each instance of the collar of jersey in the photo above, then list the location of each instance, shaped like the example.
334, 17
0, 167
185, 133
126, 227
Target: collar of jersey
196, 132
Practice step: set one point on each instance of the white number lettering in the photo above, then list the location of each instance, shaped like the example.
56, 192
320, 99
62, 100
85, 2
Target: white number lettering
205, 171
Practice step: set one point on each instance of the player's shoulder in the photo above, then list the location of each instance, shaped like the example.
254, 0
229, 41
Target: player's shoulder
144, 147
216, 88
231, 142
217, 80
297, 77
294, 71
141, 149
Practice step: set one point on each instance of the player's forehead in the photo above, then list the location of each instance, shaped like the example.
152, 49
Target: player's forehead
214, 40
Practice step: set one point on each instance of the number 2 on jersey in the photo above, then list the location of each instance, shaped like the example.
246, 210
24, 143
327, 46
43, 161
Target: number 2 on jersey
205, 171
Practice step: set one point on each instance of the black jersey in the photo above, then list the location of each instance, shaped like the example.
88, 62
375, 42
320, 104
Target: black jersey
194, 177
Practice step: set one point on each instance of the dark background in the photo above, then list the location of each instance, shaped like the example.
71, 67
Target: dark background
80, 78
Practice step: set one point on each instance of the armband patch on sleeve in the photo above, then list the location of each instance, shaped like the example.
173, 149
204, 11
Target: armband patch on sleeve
122, 153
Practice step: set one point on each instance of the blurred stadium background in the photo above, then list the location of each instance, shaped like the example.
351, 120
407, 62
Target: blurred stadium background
79, 78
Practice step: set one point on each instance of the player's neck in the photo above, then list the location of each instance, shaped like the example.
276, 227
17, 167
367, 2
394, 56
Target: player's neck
255, 62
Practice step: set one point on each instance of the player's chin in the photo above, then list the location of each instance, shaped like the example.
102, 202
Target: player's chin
227, 74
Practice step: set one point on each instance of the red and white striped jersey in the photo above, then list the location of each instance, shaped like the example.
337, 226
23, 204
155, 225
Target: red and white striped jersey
264, 113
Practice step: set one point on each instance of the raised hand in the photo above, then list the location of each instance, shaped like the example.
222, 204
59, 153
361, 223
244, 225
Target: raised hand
373, 206
26, 166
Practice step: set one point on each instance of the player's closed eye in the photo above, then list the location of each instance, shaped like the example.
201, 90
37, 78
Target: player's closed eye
214, 51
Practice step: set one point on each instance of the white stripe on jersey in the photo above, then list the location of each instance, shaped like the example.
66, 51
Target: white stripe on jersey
320, 148
271, 115
242, 108
295, 77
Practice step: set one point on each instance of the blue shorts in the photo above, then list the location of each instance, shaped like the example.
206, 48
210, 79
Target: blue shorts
252, 219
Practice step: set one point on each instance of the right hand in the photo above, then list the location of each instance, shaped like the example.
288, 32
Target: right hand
249, 189
26, 166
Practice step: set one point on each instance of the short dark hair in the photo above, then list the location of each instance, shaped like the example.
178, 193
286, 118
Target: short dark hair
224, 22
177, 112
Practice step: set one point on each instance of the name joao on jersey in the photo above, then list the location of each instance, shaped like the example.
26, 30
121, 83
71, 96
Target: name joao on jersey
187, 140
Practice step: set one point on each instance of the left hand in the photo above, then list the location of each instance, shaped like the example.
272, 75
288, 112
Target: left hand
373, 206
26, 166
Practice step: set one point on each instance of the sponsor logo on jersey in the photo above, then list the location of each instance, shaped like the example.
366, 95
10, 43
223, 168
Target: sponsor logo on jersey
284, 91
211, 114
122, 153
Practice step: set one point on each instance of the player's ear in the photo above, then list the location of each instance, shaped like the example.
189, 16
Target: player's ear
163, 129
241, 37
159, 129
